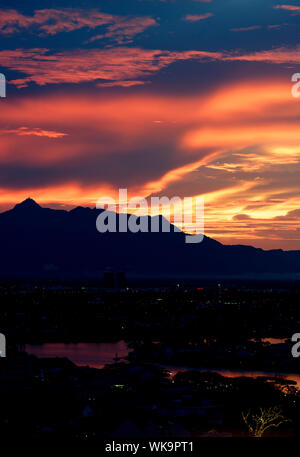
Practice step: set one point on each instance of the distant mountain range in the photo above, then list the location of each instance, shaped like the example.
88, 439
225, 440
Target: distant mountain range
38, 241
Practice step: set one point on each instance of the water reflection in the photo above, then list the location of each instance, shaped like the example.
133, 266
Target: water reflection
95, 355
238, 374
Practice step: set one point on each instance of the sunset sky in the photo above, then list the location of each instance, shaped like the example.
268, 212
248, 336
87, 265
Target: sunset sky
162, 97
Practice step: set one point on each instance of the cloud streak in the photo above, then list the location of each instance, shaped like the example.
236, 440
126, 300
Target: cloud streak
246, 29
293, 8
197, 17
124, 30
25, 131
112, 65
53, 21
243, 157
124, 66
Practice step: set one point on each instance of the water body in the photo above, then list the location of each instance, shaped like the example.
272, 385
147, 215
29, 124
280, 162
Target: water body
173, 370
97, 355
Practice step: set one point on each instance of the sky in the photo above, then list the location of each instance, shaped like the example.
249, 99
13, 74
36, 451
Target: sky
161, 97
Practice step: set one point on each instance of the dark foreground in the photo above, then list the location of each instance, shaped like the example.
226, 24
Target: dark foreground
203, 326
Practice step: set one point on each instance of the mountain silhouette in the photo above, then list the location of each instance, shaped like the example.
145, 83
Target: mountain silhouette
27, 205
37, 241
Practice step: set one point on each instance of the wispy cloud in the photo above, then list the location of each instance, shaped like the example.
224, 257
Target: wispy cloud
246, 29
122, 66
25, 131
263, 159
110, 65
281, 55
122, 83
124, 30
293, 8
53, 21
197, 17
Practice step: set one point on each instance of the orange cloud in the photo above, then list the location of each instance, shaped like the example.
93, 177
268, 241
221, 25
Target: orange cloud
236, 145
66, 195
175, 175
23, 131
122, 83
259, 135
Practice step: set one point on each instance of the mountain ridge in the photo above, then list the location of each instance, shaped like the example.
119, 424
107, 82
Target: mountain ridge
36, 240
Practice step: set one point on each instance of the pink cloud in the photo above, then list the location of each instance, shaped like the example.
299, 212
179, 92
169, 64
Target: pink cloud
275, 26
246, 29
282, 55
197, 17
124, 66
287, 8
53, 21
124, 31
109, 64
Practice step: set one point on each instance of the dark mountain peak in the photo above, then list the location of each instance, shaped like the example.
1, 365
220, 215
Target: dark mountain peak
28, 204
33, 237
